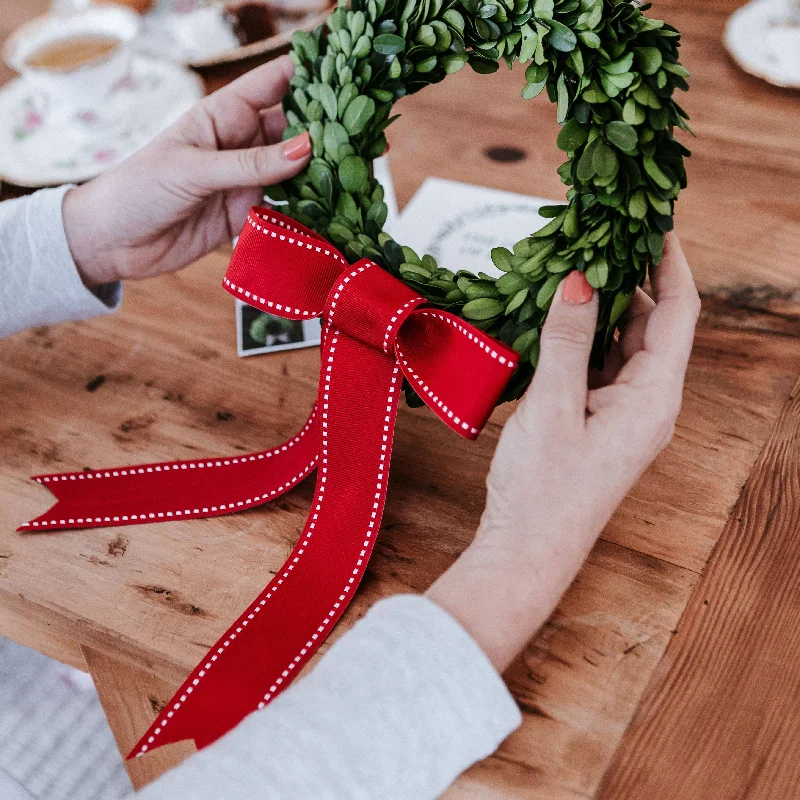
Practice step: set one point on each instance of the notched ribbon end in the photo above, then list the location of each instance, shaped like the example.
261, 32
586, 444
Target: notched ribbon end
50, 520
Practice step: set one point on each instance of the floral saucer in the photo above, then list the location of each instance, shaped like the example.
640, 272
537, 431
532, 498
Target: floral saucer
43, 143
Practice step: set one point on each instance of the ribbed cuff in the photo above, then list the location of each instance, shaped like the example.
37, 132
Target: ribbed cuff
53, 247
43, 281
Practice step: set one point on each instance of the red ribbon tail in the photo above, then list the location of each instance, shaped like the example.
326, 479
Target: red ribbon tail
459, 371
175, 490
260, 654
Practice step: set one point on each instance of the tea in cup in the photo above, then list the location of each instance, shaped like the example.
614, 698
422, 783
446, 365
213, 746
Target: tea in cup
76, 59
73, 52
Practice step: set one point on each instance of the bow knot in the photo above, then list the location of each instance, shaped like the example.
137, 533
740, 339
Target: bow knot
370, 305
308, 277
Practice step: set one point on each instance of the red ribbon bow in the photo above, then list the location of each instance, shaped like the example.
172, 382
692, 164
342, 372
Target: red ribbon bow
376, 330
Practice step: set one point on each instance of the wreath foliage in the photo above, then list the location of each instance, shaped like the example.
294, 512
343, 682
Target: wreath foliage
612, 72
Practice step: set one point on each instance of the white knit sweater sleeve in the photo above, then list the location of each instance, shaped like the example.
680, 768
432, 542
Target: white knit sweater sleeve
396, 709
39, 282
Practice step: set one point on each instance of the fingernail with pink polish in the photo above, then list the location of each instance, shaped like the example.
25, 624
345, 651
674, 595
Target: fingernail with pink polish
576, 289
298, 147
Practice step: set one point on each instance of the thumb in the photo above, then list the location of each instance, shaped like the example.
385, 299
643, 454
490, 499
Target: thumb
253, 166
567, 336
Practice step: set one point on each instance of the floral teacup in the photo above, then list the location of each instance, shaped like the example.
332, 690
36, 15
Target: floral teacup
82, 91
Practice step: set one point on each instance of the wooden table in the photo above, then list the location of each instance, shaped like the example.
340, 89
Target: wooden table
670, 669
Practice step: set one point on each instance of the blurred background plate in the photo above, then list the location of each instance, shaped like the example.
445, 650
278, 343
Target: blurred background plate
42, 144
763, 38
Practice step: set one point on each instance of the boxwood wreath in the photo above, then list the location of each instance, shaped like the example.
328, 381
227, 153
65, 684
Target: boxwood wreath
612, 72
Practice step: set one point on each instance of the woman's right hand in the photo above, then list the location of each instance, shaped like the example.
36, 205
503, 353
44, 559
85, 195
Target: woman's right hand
570, 453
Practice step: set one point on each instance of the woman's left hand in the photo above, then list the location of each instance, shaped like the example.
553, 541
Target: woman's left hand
570, 453
190, 189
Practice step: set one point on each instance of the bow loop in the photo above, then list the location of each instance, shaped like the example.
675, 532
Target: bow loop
302, 266
457, 370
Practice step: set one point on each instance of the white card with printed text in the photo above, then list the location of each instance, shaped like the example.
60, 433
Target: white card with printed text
458, 223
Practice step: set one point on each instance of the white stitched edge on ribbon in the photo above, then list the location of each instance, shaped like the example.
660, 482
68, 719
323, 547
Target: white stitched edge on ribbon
302, 243
421, 385
414, 377
261, 600
189, 512
472, 337
275, 221
341, 286
189, 689
98, 474
369, 534
394, 319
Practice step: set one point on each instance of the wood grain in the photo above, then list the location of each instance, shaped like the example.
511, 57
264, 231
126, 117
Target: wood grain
578, 683
161, 380
720, 719
130, 697
25, 623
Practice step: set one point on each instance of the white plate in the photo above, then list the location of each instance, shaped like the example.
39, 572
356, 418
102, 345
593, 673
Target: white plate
751, 41
42, 144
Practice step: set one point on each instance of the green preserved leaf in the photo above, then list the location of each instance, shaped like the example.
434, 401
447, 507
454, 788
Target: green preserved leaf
604, 160
353, 173
516, 301
637, 205
622, 135
590, 39
482, 308
530, 39
501, 258
597, 273
522, 344
321, 176
571, 229
633, 113
511, 283
327, 97
334, 137
454, 19
620, 66
389, 44
358, 114
649, 60
531, 90
563, 99
586, 169
658, 177
551, 227
662, 207
453, 62
546, 292
483, 66
561, 37
377, 213
621, 302
655, 244
572, 136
